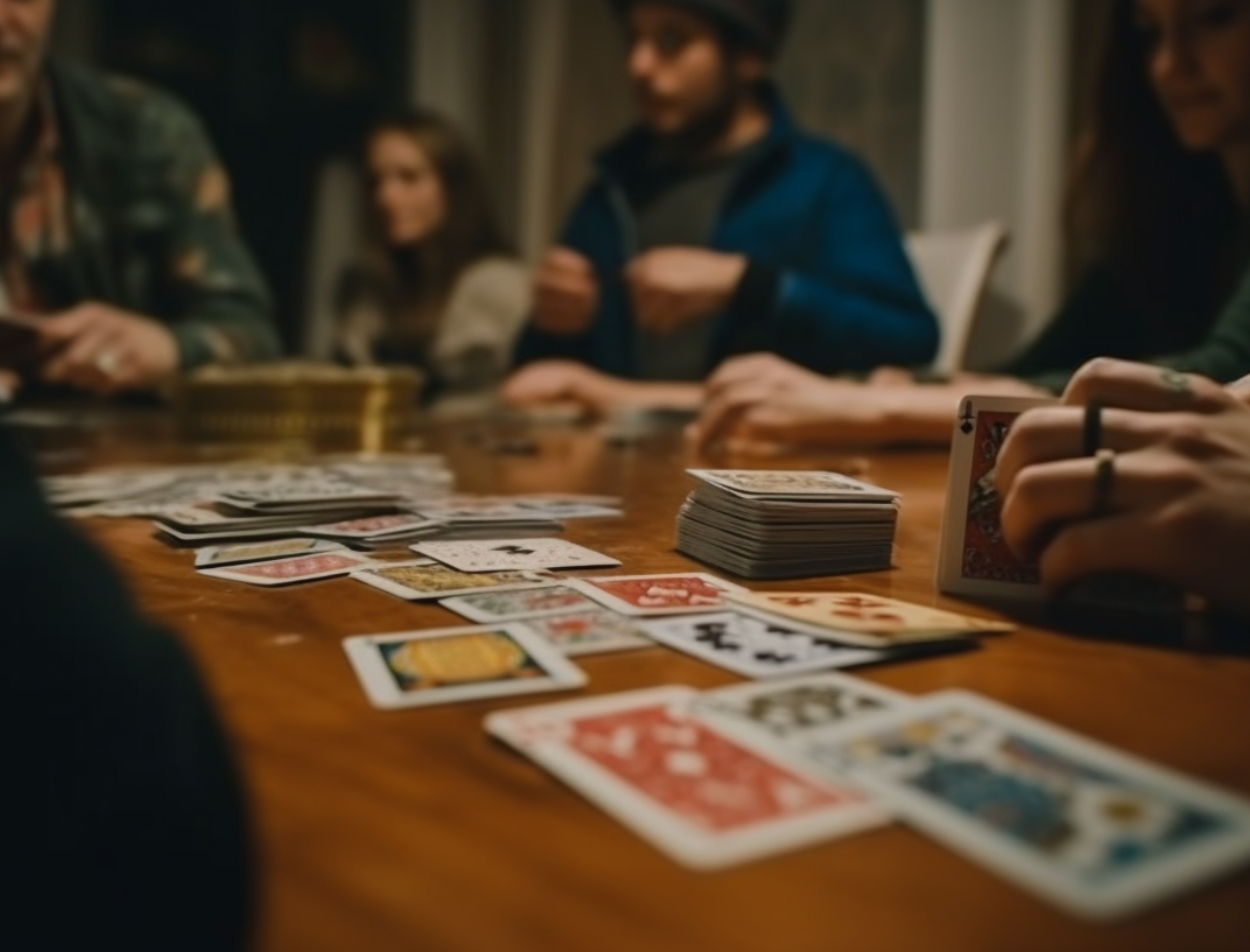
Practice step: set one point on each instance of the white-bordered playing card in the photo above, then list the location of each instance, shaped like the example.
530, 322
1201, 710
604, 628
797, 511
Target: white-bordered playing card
370, 526
215, 555
594, 631
304, 568
974, 558
422, 579
672, 594
787, 712
515, 604
446, 665
789, 483
694, 792
1096, 831
756, 646
513, 554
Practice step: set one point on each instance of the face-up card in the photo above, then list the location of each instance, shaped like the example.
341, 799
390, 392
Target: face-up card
755, 647
304, 568
487, 607
560, 509
261, 551
594, 631
419, 580
974, 557
658, 594
310, 491
789, 711
697, 794
859, 618
444, 665
368, 527
1094, 830
788, 482
514, 554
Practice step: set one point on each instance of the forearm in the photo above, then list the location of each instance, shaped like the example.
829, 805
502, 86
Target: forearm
925, 414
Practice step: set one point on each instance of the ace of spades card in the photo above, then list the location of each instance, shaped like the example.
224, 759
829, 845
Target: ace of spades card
974, 557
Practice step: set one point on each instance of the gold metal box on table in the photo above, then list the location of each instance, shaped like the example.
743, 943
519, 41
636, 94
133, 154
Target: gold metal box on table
356, 407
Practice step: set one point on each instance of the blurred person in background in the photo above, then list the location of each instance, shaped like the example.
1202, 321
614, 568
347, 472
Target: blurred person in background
716, 227
1158, 211
117, 243
438, 286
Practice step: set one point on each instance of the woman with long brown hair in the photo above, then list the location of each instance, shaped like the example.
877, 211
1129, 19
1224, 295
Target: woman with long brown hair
437, 286
1158, 213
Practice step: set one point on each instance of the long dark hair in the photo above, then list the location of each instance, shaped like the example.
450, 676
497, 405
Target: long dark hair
1158, 214
423, 277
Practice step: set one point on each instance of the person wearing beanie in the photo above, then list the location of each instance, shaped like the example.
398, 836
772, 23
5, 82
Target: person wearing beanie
715, 227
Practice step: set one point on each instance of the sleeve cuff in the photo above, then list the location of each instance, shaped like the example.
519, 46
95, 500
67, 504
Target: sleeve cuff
751, 307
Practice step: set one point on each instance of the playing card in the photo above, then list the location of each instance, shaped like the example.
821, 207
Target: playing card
789, 482
1098, 832
657, 594
444, 665
496, 606
368, 527
694, 792
788, 712
304, 568
974, 558
755, 647
261, 551
562, 509
593, 631
873, 621
420, 580
499, 555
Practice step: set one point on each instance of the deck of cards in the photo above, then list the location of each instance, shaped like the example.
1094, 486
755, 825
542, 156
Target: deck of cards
775, 524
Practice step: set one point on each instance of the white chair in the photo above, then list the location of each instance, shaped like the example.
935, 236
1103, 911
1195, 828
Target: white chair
333, 241
954, 268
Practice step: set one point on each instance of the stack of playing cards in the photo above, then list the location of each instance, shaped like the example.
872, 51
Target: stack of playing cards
743, 772
787, 524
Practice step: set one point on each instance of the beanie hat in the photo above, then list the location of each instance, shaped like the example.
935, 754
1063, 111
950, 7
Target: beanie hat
760, 23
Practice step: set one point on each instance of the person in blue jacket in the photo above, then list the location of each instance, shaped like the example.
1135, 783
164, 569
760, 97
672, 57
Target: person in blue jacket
715, 228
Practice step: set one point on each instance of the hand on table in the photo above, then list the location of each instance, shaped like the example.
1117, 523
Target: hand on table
670, 287
547, 382
105, 350
1179, 505
566, 293
762, 397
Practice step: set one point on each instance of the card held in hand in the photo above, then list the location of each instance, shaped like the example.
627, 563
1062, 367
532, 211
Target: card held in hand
974, 558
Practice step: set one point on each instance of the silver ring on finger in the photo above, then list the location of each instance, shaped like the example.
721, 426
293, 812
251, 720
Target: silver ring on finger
107, 363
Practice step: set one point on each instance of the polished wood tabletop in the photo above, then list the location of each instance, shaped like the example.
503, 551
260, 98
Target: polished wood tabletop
414, 830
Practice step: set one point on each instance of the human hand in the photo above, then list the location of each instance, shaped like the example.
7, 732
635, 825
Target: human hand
566, 293
10, 383
547, 382
674, 286
1179, 502
762, 397
103, 349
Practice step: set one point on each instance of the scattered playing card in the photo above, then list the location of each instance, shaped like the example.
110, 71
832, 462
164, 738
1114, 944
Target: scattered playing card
1094, 830
305, 568
694, 792
368, 527
261, 551
500, 555
657, 594
873, 621
444, 665
497, 606
755, 647
420, 580
974, 558
787, 712
594, 631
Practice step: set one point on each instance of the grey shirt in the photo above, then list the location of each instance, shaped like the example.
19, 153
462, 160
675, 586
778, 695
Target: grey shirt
680, 207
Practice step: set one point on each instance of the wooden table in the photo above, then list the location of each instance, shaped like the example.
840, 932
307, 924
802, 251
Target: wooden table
413, 830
